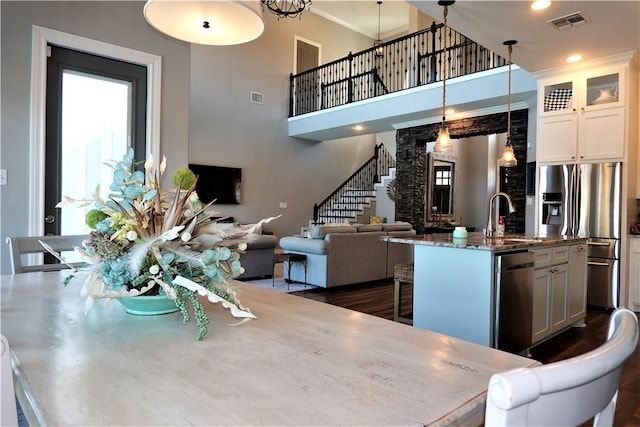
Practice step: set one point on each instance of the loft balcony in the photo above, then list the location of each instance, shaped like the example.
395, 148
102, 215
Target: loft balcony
400, 86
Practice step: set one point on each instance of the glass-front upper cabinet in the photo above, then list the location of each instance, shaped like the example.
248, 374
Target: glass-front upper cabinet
603, 89
582, 90
558, 97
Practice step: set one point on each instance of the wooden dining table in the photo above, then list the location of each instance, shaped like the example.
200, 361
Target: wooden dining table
301, 362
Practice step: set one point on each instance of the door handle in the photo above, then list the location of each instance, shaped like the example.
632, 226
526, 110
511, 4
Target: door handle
50, 219
598, 243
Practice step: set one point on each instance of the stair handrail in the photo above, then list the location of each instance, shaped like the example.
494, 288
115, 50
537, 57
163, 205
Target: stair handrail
362, 179
406, 62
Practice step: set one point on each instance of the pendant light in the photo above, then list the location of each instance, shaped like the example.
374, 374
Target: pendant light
443, 142
286, 8
378, 43
508, 157
221, 22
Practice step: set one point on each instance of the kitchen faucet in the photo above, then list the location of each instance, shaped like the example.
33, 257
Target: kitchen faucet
490, 227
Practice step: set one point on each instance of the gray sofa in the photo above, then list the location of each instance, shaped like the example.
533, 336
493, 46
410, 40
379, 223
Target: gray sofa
258, 259
342, 255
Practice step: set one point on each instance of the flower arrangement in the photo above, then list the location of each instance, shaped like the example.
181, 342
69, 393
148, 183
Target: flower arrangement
147, 241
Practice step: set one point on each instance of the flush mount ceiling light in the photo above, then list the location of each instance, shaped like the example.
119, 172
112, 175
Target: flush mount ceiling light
540, 4
378, 43
286, 8
443, 142
574, 58
220, 22
508, 157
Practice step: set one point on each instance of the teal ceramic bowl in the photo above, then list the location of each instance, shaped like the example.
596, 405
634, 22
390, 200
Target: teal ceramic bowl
148, 305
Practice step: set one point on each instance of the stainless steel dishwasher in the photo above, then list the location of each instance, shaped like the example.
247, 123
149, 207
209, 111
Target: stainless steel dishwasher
514, 301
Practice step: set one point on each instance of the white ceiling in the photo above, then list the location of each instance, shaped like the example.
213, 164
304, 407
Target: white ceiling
362, 15
613, 27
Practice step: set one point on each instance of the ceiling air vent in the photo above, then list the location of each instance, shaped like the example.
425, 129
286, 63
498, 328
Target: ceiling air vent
569, 21
257, 98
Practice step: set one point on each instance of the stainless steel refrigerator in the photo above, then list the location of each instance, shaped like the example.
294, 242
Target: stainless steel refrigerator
585, 200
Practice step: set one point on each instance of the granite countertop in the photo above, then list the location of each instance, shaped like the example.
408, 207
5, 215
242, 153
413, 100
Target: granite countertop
478, 241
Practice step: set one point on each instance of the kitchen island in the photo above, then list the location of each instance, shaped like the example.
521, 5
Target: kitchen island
457, 284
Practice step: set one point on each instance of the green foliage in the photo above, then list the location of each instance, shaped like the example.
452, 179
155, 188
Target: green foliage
93, 217
184, 178
128, 183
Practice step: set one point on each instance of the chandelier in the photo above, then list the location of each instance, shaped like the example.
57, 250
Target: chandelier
286, 8
508, 157
443, 142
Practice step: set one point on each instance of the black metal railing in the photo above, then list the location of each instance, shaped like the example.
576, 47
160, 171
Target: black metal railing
404, 63
350, 196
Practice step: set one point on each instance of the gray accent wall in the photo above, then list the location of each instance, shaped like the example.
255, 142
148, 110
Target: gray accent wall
226, 129
206, 114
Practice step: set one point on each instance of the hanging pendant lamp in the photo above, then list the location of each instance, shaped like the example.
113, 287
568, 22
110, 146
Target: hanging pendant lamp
508, 157
220, 22
378, 43
443, 142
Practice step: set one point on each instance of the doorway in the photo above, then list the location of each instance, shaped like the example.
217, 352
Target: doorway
95, 110
307, 58
43, 37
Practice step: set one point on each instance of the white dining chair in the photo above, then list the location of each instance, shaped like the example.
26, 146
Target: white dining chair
568, 392
31, 245
8, 409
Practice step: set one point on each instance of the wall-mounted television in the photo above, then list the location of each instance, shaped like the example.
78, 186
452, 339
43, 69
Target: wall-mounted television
219, 183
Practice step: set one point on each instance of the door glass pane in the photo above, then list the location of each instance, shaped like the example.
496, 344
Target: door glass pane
95, 130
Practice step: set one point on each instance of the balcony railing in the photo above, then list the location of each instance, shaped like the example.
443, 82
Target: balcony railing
404, 63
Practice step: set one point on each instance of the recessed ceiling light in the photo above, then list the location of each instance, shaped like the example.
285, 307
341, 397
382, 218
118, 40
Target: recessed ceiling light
358, 127
540, 4
574, 58
450, 111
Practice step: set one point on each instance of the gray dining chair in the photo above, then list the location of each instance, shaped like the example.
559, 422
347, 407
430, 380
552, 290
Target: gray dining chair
19, 246
567, 392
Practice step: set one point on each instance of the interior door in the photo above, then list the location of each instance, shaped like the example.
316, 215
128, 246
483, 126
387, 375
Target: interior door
306, 90
96, 109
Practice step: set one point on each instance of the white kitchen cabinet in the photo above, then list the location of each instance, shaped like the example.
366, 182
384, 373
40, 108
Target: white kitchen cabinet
634, 273
577, 294
581, 115
541, 318
552, 290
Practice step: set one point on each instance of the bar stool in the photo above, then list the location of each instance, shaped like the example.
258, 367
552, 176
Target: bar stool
402, 274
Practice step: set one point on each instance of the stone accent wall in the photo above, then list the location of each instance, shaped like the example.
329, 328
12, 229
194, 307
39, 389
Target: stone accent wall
411, 158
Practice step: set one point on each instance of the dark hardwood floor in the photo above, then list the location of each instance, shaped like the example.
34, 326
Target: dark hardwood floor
377, 299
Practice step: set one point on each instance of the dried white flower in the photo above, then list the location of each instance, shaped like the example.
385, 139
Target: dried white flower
148, 164
154, 269
242, 246
186, 236
132, 235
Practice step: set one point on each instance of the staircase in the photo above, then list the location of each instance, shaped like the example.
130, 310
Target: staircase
356, 196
